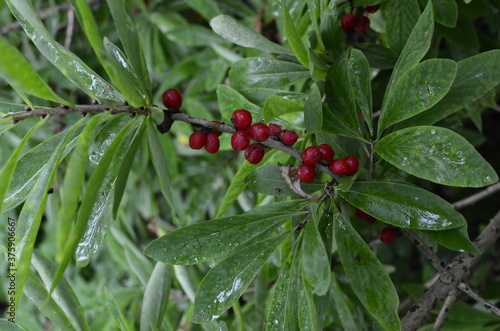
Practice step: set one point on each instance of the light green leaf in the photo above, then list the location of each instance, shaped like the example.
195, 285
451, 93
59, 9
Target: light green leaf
404, 206
156, 297
294, 39
307, 312
343, 306
227, 281
115, 311
420, 88
207, 8
401, 17
436, 154
359, 76
454, 239
6, 325
239, 34
367, 276
276, 106
445, 12
229, 100
313, 110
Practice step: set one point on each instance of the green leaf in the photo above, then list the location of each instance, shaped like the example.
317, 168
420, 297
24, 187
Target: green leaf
367, 276
343, 306
463, 34
401, 17
18, 72
359, 76
314, 258
436, 154
404, 206
276, 106
445, 12
335, 126
67, 62
420, 88
229, 100
454, 239
239, 34
293, 38
378, 56
307, 312
6, 325
156, 297
204, 241
207, 8
115, 311
227, 281
313, 110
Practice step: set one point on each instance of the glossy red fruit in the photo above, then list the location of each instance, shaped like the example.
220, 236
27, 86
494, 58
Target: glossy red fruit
172, 99
274, 129
387, 235
259, 132
352, 164
362, 25
218, 133
289, 137
348, 21
327, 153
372, 9
306, 173
197, 139
338, 167
242, 119
213, 143
311, 155
240, 140
364, 216
254, 153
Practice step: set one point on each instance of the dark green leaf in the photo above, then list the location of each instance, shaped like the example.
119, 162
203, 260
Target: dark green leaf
401, 17
276, 106
454, 239
156, 297
343, 306
207, 8
436, 154
307, 312
367, 276
378, 56
404, 206
445, 12
335, 126
227, 281
194, 36
313, 111
294, 39
359, 76
463, 34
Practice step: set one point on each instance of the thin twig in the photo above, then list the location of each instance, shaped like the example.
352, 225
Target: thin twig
490, 190
443, 314
488, 306
69, 28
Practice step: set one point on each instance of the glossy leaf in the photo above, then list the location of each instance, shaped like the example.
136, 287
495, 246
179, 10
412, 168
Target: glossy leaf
313, 111
18, 72
445, 12
436, 154
401, 17
276, 106
404, 206
454, 239
420, 88
156, 297
359, 76
307, 312
367, 276
227, 281
239, 34
294, 39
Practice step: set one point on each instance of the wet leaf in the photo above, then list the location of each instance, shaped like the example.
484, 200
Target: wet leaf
404, 206
401, 18
307, 313
436, 154
454, 239
227, 281
156, 297
359, 76
367, 276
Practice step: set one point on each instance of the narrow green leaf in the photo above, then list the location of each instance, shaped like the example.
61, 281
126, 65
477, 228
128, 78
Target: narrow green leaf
294, 39
207, 8
313, 110
367, 276
6, 325
378, 56
359, 76
335, 126
404, 206
239, 34
420, 88
401, 17
436, 154
18, 72
229, 100
454, 239
445, 12
115, 311
276, 106
307, 312
343, 306
227, 281
156, 297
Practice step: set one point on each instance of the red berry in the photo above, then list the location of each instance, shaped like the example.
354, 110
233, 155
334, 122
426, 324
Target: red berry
387, 235
218, 133
259, 132
372, 9
289, 137
213, 143
348, 21
242, 119
338, 167
197, 139
311, 155
274, 129
240, 140
362, 25
326, 152
172, 99
364, 216
254, 153
306, 172
352, 165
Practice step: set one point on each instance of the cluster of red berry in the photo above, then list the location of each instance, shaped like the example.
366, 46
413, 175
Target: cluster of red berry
387, 234
359, 24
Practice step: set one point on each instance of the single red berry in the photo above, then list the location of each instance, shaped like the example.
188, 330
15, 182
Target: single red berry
338, 167
254, 153
348, 21
240, 140
274, 129
387, 235
372, 9
306, 172
218, 133
213, 143
362, 25
364, 216
172, 99
259, 132
197, 139
289, 137
311, 155
326, 152
242, 119
352, 164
